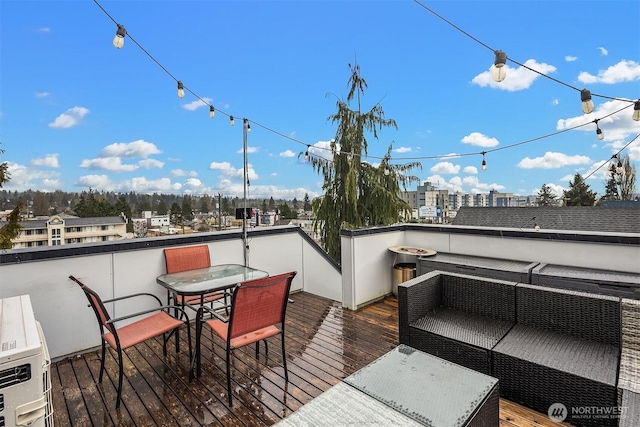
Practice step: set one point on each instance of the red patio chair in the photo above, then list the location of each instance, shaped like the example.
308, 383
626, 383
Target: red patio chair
158, 322
190, 258
258, 310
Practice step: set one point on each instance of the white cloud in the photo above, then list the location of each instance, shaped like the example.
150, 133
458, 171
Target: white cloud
287, 153
150, 164
42, 94
49, 160
616, 128
69, 118
517, 78
181, 172
113, 164
446, 168
192, 106
555, 102
229, 171
100, 182
470, 170
322, 149
570, 58
554, 188
478, 187
44, 30
479, 140
143, 185
24, 178
552, 160
139, 148
193, 183
250, 150
623, 71
603, 51
403, 150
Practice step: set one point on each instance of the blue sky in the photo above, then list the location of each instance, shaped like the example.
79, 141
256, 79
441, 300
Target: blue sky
77, 113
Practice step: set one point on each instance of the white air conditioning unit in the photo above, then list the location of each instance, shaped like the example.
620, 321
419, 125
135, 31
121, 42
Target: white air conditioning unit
25, 381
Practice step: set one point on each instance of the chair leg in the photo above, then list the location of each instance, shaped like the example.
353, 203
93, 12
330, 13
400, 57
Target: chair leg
257, 349
190, 351
284, 359
229, 375
104, 350
120, 374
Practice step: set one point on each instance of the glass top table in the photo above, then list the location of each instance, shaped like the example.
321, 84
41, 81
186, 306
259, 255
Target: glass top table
430, 390
206, 280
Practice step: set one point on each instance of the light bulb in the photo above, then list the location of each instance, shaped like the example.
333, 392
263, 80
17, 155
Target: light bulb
587, 103
212, 111
231, 121
599, 133
499, 71
180, 89
619, 168
247, 126
484, 163
306, 154
636, 111
536, 227
118, 40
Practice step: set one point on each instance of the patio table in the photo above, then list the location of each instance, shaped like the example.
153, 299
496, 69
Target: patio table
405, 387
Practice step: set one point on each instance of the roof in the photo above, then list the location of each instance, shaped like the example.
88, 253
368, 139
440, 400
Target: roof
73, 221
619, 219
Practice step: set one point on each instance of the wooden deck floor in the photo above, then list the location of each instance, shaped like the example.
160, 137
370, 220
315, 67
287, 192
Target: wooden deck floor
325, 343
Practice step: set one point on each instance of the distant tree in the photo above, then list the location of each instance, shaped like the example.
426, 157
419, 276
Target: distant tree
264, 208
307, 204
11, 229
286, 212
272, 204
579, 193
176, 214
122, 207
187, 209
205, 204
40, 204
611, 185
627, 179
546, 197
226, 206
354, 190
162, 207
139, 229
295, 204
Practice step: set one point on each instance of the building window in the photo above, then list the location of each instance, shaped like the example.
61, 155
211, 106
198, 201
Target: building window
56, 236
28, 232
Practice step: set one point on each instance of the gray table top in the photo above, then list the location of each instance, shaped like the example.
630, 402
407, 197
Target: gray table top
424, 387
211, 279
343, 405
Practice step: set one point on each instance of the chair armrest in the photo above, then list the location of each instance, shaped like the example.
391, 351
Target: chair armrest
417, 297
214, 313
132, 296
151, 310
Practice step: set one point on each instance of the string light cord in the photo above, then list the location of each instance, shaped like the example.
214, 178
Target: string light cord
508, 58
367, 156
615, 155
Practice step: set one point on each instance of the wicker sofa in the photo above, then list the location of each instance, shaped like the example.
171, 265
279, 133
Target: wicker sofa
564, 348
457, 317
545, 345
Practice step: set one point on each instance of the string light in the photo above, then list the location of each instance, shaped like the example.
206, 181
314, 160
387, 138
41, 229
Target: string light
118, 40
247, 125
636, 111
599, 133
587, 103
499, 71
306, 154
212, 111
484, 161
231, 121
180, 89
619, 167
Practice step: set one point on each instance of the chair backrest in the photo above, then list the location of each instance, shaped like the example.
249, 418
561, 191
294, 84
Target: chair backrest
187, 258
259, 303
98, 307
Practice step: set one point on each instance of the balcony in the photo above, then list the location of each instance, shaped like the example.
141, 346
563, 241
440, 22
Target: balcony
342, 319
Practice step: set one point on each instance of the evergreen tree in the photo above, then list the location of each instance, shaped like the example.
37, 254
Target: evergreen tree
40, 204
295, 203
176, 214
11, 229
264, 205
187, 209
306, 203
546, 197
611, 186
355, 192
272, 204
205, 204
627, 179
579, 193
162, 207
286, 212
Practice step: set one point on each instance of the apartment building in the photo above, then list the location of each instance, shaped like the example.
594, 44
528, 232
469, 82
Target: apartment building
65, 230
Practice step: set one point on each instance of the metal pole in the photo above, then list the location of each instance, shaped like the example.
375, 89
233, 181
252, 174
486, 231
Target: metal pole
246, 179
